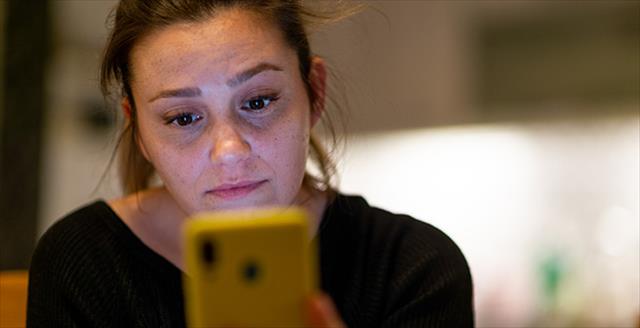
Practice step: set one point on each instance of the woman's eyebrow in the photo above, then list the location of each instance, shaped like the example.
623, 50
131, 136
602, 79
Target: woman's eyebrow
233, 82
249, 73
183, 92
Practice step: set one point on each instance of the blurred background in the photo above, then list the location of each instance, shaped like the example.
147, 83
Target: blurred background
513, 126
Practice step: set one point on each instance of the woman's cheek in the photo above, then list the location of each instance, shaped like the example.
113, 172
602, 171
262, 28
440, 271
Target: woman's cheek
174, 162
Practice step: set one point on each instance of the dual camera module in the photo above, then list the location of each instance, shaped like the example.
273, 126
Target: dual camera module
249, 270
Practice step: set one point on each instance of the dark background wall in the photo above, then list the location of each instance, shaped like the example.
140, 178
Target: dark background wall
25, 54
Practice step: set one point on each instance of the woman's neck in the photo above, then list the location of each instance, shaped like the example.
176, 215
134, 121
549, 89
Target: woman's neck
155, 217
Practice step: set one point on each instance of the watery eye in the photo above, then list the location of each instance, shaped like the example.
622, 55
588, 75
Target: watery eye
185, 119
258, 103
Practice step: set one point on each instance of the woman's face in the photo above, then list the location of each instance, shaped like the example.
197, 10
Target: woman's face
223, 114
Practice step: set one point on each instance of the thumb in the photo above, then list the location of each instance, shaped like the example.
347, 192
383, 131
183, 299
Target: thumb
321, 312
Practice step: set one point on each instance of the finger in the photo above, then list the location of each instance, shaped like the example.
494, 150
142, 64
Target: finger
321, 312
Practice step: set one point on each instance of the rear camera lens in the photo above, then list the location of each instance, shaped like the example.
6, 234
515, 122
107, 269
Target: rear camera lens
251, 271
208, 252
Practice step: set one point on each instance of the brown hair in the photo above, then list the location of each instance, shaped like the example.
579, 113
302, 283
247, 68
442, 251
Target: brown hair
134, 19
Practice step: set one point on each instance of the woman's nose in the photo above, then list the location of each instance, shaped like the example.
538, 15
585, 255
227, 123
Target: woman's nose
229, 145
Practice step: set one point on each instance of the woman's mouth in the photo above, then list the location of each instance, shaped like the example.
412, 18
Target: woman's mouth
235, 190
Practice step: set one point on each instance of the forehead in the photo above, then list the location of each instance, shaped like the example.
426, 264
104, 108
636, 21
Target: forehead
215, 48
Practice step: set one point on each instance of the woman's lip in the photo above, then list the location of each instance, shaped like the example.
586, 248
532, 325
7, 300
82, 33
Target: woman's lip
235, 190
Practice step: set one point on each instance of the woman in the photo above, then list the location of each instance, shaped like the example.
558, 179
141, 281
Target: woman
220, 98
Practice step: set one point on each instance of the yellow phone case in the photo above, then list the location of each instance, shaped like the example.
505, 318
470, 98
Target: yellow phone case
250, 268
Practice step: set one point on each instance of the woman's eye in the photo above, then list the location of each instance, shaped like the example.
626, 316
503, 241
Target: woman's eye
184, 119
258, 103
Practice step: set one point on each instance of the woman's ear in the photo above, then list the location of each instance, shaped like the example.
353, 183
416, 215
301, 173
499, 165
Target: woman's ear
127, 110
318, 81
126, 107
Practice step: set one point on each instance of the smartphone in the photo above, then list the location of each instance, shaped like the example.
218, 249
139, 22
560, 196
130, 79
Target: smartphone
248, 268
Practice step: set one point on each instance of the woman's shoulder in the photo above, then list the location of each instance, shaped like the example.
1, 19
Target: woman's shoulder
77, 234
81, 223
383, 226
419, 270
391, 240
73, 256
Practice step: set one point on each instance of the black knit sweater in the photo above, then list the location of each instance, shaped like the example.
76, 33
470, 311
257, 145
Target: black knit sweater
381, 269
